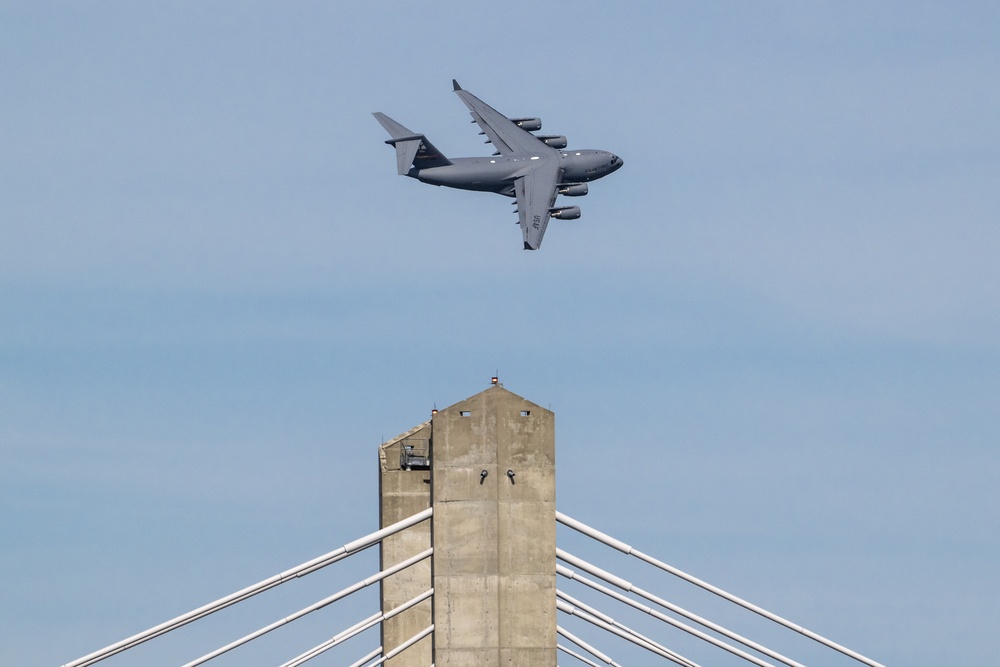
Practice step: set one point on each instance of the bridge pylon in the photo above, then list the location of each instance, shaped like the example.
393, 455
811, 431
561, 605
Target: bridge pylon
487, 467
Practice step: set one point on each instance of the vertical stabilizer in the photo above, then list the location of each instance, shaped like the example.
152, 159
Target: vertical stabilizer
412, 148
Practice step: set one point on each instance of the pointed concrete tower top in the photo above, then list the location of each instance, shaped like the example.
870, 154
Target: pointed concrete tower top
493, 494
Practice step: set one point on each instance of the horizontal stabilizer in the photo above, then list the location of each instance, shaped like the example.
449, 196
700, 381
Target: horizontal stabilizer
394, 129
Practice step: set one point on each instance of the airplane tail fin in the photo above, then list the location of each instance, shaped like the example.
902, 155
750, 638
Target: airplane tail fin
411, 148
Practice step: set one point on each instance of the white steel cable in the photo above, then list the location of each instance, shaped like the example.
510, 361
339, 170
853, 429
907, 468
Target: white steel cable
638, 637
367, 657
308, 567
342, 636
339, 595
586, 647
356, 629
626, 634
405, 645
627, 549
582, 658
628, 587
701, 635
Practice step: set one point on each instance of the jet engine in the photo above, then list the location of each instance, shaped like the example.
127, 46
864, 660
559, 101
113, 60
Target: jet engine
566, 212
573, 189
529, 124
554, 140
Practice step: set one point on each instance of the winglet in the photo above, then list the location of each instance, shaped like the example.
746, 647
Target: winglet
455, 84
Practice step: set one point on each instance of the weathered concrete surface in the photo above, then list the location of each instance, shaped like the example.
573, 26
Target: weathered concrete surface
494, 536
403, 493
494, 560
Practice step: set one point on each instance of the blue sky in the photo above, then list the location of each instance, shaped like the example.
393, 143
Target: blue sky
771, 341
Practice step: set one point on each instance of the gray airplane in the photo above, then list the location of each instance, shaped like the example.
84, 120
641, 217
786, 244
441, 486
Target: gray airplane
532, 168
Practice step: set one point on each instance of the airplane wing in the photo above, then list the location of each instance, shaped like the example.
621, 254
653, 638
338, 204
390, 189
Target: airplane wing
501, 131
536, 192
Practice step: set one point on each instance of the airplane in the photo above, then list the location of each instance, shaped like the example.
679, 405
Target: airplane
532, 168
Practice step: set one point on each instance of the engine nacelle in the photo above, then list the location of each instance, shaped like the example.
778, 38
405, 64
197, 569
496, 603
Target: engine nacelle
529, 124
554, 140
573, 189
565, 213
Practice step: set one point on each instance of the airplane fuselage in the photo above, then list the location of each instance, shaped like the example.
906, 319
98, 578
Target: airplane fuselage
497, 173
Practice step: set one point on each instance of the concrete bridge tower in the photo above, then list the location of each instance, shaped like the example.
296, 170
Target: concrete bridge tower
487, 466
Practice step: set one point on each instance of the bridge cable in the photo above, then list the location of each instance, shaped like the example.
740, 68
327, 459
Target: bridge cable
628, 587
342, 636
300, 571
607, 619
405, 645
586, 647
339, 595
626, 634
582, 658
628, 550
368, 657
356, 629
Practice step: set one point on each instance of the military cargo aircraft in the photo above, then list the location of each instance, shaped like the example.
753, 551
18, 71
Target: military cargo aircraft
532, 168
